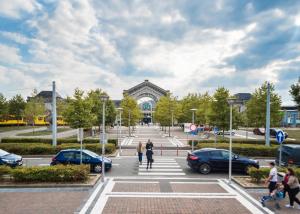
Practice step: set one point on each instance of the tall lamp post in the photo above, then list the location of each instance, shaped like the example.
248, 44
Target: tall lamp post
231, 102
120, 129
104, 99
193, 121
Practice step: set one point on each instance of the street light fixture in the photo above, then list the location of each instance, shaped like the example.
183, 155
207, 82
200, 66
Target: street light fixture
193, 121
104, 98
231, 102
120, 129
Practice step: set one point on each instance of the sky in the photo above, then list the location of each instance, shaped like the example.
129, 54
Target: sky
182, 46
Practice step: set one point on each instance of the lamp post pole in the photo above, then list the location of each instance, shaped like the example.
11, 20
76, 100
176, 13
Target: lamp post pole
268, 117
104, 98
193, 121
129, 122
120, 130
231, 102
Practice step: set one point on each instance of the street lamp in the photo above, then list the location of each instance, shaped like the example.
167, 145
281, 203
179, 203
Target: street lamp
120, 129
193, 121
104, 99
231, 102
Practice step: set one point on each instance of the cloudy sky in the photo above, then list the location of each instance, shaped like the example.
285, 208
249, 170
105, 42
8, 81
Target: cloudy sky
183, 46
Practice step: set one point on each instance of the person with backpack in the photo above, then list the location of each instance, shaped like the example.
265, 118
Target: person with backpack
149, 154
293, 189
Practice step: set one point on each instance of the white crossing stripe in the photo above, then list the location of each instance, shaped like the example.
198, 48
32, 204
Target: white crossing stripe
160, 170
161, 167
161, 173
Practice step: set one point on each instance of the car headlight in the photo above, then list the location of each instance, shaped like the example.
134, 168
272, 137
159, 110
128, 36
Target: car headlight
8, 161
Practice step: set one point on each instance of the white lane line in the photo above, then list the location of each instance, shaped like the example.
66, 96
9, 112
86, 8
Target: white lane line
135, 182
91, 199
171, 141
187, 183
160, 164
244, 136
44, 164
161, 173
116, 164
160, 170
99, 205
171, 166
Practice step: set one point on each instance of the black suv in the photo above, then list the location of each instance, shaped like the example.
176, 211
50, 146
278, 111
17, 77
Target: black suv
290, 155
208, 159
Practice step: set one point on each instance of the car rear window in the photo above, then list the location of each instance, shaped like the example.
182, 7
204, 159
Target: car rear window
201, 154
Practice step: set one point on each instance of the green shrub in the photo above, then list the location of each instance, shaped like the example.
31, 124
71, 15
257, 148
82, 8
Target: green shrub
240, 141
59, 173
244, 149
59, 141
258, 174
4, 170
45, 149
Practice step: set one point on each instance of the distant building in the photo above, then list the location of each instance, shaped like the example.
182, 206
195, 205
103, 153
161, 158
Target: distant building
242, 98
291, 116
47, 98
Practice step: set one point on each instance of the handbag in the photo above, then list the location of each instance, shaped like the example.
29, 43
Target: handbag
152, 160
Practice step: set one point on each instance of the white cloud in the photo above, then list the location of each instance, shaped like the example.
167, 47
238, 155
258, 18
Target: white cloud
16, 37
172, 17
15, 8
9, 55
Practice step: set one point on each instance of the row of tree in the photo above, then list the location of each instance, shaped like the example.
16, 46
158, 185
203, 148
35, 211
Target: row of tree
214, 110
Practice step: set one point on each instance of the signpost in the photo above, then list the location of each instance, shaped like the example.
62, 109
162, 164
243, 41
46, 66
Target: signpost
193, 129
216, 130
280, 137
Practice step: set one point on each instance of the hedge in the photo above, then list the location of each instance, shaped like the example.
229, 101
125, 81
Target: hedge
244, 149
4, 170
59, 173
258, 174
45, 149
241, 141
49, 141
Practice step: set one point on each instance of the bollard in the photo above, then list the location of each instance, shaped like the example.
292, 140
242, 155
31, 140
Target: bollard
160, 149
177, 150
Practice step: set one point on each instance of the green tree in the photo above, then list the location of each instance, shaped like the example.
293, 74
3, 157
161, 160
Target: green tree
131, 112
97, 107
78, 111
204, 109
34, 107
16, 106
295, 93
165, 108
220, 111
191, 101
3, 107
256, 107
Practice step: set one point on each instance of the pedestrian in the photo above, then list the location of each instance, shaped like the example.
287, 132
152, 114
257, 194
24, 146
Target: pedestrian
273, 178
293, 189
149, 154
284, 183
149, 145
140, 150
275, 196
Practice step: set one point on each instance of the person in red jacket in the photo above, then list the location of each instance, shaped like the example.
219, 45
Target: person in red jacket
284, 183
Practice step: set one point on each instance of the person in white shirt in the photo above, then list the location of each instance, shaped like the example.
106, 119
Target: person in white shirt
273, 178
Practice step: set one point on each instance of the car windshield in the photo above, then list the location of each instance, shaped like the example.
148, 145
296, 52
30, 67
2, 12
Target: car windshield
3, 153
93, 154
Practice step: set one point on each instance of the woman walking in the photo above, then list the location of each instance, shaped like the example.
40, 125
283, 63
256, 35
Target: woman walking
140, 150
149, 154
293, 189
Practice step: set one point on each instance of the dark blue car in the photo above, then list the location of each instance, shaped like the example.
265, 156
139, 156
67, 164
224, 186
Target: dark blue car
10, 159
208, 159
72, 156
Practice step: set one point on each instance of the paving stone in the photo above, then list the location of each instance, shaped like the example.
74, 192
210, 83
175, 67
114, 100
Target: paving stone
121, 205
136, 187
197, 188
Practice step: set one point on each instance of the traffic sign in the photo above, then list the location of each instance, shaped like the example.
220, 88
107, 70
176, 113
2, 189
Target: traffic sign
216, 130
193, 127
280, 136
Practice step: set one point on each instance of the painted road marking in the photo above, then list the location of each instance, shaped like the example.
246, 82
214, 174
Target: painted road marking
161, 173
160, 170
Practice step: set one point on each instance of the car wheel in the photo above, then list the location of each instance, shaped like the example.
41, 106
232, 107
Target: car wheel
246, 169
205, 168
97, 168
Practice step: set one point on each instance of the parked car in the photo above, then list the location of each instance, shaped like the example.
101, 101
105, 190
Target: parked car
225, 133
290, 155
273, 132
72, 156
209, 159
10, 159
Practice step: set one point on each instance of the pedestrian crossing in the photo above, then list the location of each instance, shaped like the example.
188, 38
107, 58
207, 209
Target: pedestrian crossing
161, 167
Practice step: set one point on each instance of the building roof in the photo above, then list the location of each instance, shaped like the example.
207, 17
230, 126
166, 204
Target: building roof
243, 96
146, 83
291, 108
117, 103
47, 94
